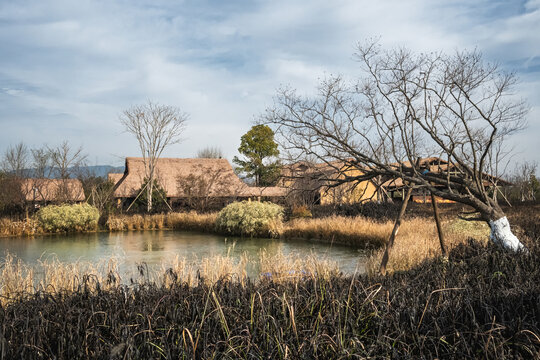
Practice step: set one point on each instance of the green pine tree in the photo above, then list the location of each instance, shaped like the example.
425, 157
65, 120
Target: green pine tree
260, 153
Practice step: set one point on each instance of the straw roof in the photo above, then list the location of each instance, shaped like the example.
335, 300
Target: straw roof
181, 178
52, 190
437, 165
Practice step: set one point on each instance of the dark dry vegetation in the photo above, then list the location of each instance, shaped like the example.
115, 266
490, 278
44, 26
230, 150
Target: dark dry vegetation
481, 303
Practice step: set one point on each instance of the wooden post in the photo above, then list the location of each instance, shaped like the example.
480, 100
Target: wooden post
390, 243
438, 222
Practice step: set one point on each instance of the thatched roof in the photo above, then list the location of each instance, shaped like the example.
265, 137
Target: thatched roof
189, 177
438, 165
306, 175
52, 190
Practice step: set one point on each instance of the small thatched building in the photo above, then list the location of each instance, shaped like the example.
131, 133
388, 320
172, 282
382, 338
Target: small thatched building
317, 183
52, 190
191, 182
395, 188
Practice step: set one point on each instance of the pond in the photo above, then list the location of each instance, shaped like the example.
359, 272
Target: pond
158, 248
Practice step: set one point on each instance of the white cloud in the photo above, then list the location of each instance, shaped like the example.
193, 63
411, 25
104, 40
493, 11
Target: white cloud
69, 68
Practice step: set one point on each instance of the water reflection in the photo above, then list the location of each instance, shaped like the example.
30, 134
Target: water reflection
161, 247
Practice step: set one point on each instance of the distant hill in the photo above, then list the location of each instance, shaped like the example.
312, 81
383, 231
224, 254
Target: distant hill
101, 170
94, 170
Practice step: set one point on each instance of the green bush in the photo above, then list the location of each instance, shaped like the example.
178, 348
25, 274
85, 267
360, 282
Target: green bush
250, 218
63, 218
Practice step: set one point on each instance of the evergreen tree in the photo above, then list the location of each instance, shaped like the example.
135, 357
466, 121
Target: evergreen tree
260, 153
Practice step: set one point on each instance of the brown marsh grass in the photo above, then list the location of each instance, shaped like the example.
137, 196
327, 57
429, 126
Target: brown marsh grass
19, 280
417, 241
355, 231
27, 227
282, 268
177, 221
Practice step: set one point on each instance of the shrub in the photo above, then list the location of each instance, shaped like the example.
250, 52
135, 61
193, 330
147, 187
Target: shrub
300, 212
250, 218
62, 218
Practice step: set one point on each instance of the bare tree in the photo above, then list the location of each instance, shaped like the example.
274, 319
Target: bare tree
210, 152
66, 162
155, 126
15, 167
524, 180
409, 106
15, 161
41, 163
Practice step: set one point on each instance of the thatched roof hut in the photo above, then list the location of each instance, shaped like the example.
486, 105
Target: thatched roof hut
52, 190
181, 178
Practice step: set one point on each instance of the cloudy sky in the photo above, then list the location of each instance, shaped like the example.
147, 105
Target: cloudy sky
69, 68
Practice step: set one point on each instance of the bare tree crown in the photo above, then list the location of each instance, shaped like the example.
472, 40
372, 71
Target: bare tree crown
155, 127
405, 106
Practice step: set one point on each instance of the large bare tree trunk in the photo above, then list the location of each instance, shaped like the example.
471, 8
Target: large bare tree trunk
149, 196
149, 189
438, 222
501, 234
397, 224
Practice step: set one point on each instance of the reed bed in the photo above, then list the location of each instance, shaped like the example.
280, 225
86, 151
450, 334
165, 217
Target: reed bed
355, 231
479, 303
19, 280
177, 221
27, 227
418, 241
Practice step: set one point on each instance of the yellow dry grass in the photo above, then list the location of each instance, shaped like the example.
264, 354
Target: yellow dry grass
355, 231
19, 280
293, 267
417, 240
26, 227
177, 221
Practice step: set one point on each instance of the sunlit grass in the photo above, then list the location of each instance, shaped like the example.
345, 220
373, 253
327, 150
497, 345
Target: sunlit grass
178, 221
19, 280
355, 231
417, 240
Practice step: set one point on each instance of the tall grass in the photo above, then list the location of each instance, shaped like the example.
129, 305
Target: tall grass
417, 241
479, 303
27, 227
19, 280
355, 231
177, 221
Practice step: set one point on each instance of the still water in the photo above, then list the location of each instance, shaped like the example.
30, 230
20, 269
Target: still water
157, 248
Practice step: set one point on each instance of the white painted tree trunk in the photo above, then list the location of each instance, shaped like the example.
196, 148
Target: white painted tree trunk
502, 235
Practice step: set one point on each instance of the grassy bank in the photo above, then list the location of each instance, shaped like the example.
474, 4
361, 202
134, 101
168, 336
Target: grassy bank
417, 239
480, 303
28, 227
178, 221
19, 280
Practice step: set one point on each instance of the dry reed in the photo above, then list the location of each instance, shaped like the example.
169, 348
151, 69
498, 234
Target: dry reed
282, 268
27, 227
355, 231
19, 280
177, 221
417, 240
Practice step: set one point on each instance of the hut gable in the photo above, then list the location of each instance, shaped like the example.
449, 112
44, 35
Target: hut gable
52, 190
317, 183
181, 178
